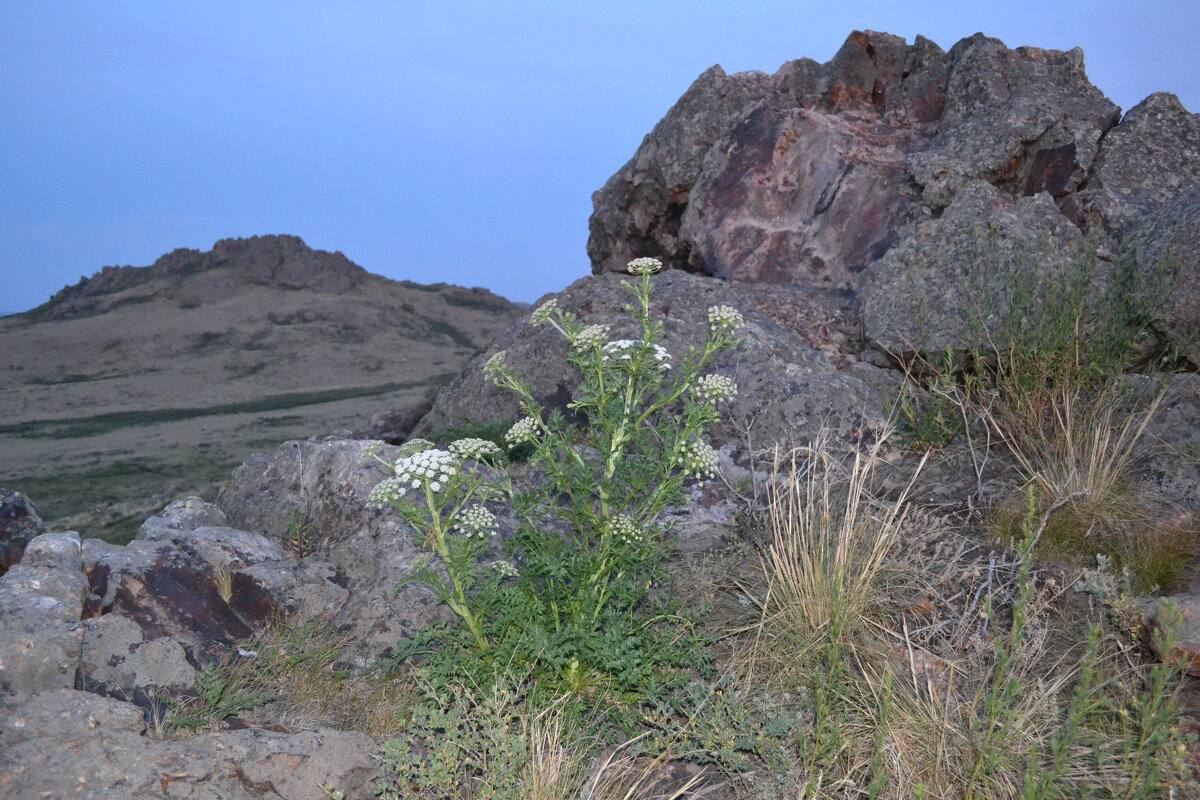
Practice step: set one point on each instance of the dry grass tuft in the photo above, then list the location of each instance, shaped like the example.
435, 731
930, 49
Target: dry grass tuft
829, 545
299, 668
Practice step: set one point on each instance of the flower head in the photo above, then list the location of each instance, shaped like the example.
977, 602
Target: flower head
473, 449
523, 430
495, 366
698, 459
625, 530
543, 313
432, 468
591, 336
475, 521
644, 266
387, 492
624, 350
714, 389
505, 568
725, 318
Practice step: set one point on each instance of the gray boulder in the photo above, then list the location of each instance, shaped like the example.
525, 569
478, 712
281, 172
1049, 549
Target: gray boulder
1025, 120
639, 209
1143, 164
811, 175
41, 603
939, 287
361, 554
1165, 245
175, 585
66, 743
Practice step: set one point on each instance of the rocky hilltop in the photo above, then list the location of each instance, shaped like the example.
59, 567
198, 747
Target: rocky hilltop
146, 381
862, 187
857, 213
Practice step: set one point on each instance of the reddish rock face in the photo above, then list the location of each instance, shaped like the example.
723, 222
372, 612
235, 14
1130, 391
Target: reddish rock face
793, 194
19, 523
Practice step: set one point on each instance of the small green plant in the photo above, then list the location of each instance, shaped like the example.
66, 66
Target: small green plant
299, 533
574, 598
216, 700
931, 417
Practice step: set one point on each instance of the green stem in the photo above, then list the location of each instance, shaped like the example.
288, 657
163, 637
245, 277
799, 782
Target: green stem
457, 603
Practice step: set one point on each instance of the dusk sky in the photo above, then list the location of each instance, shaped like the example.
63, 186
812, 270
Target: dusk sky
438, 141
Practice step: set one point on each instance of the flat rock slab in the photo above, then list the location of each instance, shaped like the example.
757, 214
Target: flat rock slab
75, 744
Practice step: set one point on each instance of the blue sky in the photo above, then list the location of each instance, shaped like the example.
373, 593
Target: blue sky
437, 141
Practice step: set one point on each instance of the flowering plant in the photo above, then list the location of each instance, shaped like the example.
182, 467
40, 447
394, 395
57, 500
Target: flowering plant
574, 597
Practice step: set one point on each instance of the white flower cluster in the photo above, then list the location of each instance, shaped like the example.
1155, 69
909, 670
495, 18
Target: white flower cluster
475, 521
472, 449
429, 467
591, 336
625, 530
542, 315
505, 568
715, 389
495, 365
523, 430
644, 266
387, 492
624, 349
725, 318
698, 459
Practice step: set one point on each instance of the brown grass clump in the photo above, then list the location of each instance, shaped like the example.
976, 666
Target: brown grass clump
299, 668
988, 686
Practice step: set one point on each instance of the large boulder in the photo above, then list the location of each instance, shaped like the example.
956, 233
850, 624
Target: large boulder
638, 211
813, 174
797, 368
938, 288
1026, 120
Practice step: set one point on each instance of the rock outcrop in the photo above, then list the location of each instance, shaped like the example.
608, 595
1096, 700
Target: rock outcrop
891, 157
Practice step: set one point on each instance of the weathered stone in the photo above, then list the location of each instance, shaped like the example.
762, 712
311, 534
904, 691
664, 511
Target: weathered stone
173, 586
185, 514
1168, 465
639, 209
934, 290
1144, 163
61, 744
1185, 651
811, 175
1025, 120
41, 602
368, 551
19, 522
798, 196
1165, 245
118, 658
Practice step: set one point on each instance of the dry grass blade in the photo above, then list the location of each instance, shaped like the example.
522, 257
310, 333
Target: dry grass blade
830, 538
621, 776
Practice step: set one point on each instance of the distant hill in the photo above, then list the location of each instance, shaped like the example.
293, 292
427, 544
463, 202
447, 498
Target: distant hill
139, 383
